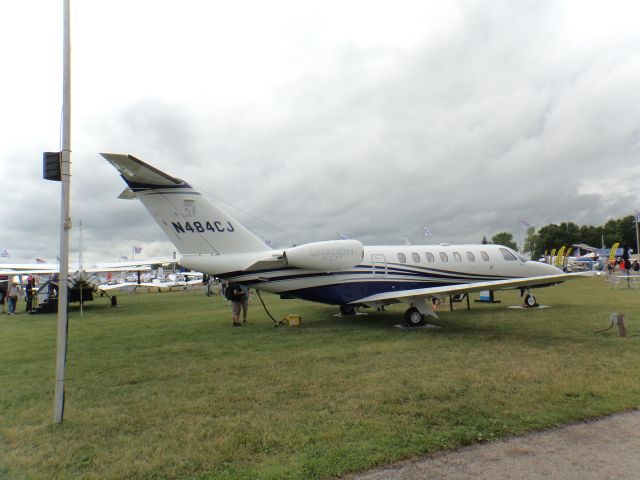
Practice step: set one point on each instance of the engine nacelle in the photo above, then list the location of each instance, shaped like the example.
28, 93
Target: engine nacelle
326, 256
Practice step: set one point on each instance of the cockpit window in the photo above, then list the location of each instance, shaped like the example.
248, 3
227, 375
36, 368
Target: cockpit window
402, 258
508, 255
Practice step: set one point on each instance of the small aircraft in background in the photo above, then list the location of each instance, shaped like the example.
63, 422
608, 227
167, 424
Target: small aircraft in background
171, 281
83, 281
337, 272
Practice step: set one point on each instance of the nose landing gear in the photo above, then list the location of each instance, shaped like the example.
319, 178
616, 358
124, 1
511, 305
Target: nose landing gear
529, 300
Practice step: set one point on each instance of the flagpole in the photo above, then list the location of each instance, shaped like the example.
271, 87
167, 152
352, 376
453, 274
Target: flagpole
65, 220
522, 227
637, 238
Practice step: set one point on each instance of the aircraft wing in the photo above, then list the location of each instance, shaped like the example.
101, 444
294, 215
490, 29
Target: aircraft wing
141, 267
27, 268
129, 265
457, 289
25, 271
117, 286
51, 268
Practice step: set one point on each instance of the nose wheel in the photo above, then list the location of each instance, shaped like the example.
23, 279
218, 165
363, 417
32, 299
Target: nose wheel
413, 318
530, 301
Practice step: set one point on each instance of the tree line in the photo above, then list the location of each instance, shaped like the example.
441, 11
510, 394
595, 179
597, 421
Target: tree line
552, 236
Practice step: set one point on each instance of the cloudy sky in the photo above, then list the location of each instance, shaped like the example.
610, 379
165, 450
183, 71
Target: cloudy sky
368, 118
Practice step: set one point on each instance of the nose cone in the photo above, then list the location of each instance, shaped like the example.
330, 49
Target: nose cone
539, 269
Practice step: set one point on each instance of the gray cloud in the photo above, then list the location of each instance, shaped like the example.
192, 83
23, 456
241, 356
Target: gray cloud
500, 118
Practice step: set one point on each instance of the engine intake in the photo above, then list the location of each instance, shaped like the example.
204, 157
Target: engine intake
325, 256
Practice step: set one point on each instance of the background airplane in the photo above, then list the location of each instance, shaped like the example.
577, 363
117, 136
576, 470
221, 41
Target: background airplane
83, 281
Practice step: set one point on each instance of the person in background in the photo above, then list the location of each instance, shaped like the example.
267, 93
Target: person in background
53, 286
13, 294
29, 293
3, 291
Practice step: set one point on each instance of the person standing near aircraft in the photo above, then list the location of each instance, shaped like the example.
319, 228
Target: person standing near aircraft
3, 290
29, 293
235, 295
244, 302
13, 294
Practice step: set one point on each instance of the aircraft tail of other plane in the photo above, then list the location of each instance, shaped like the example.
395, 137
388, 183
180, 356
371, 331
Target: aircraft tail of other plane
195, 225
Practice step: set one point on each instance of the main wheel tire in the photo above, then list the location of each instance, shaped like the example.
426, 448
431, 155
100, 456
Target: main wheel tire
347, 310
530, 301
413, 317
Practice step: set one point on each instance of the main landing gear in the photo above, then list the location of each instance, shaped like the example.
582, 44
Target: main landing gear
347, 310
413, 317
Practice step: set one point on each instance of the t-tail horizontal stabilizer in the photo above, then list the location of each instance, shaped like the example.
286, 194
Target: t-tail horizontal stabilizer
194, 225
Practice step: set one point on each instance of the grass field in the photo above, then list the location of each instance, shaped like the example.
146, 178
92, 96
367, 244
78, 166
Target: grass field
163, 387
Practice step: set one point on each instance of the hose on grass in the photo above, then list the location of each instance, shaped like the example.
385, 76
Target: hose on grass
604, 329
275, 322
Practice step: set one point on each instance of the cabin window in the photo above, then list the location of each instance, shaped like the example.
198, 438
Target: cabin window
508, 256
485, 256
444, 257
457, 257
430, 257
470, 257
416, 257
402, 258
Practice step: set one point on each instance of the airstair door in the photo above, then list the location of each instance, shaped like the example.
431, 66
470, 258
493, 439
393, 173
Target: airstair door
378, 264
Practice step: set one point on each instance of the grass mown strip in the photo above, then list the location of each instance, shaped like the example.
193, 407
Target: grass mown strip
163, 387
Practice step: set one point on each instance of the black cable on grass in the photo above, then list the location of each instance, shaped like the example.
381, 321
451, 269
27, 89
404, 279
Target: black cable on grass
605, 329
275, 322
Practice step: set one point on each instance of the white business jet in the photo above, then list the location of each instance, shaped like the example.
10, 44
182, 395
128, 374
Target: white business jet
335, 272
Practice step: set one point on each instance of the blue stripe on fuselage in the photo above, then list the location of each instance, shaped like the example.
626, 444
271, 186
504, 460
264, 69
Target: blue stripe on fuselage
344, 293
422, 273
341, 291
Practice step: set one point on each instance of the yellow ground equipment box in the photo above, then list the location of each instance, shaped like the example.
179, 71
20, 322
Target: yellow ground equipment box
292, 320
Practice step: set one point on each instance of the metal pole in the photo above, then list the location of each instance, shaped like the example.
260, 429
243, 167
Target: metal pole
80, 267
637, 238
65, 219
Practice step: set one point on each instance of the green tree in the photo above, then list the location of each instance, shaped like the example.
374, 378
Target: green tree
504, 238
591, 235
621, 230
568, 233
555, 236
532, 243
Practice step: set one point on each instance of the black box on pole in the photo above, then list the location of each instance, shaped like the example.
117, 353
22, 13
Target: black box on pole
51, 166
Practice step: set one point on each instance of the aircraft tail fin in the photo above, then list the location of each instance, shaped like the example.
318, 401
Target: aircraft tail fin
194, 225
